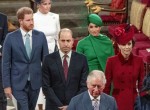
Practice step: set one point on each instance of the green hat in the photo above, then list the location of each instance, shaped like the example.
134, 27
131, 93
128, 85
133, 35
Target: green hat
95, 19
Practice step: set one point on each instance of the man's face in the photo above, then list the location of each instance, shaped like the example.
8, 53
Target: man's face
27, 23
95, 87
65, 42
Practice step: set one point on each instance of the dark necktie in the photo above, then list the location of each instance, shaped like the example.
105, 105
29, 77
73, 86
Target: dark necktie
65, 66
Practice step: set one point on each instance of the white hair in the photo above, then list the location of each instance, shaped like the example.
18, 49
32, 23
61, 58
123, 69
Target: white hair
97, 74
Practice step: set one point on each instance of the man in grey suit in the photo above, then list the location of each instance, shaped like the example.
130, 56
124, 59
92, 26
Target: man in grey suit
94, 98
64, 73
23, 52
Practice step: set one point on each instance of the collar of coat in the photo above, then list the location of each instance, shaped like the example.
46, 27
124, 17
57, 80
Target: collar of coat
123, 60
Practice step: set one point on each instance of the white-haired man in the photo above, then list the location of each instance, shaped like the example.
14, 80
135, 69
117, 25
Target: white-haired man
94, 98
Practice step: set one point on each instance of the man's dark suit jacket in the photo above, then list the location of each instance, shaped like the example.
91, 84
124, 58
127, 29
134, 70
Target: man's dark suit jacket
57, 89
3, 32
83, 102
3, 29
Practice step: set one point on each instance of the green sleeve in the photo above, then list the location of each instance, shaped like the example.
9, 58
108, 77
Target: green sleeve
80, 48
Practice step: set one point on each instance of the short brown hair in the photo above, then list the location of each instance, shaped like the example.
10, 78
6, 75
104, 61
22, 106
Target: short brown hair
22, 11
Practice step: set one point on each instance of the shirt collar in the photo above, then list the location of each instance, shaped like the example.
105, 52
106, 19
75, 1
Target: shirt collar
24, 33
62, 54
92, 98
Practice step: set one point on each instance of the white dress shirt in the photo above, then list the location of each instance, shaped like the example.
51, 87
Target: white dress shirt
24, 38
92, 99
62, 57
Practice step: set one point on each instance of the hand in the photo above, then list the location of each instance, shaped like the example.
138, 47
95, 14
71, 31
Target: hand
8, 92
63, 107
148, 92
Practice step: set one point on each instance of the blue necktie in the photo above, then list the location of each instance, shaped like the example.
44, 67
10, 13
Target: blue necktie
28, 48
27, 45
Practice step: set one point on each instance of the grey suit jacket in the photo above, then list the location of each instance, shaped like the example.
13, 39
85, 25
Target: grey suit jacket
16, 65
83, 102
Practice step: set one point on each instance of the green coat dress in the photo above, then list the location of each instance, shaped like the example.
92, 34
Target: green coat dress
97, 50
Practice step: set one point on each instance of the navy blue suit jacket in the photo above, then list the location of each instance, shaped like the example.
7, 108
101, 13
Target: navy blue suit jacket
57, 89
3, 29
142, 103
16, 65
83, 102
3, 32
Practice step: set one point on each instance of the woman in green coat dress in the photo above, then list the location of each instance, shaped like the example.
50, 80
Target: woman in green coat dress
96, 47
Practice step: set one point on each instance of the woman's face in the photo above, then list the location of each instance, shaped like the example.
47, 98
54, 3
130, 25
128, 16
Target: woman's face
44, 6
93, 29
126, 49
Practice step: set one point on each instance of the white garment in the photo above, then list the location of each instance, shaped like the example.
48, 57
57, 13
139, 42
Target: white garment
49, 24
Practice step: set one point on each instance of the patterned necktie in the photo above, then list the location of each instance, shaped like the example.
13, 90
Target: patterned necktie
95, 105
65, 66
27, 45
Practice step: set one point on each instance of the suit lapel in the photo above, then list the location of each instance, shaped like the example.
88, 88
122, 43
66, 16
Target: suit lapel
103, 103
34, 43
21, 43
60, 68
71, 65
87, 101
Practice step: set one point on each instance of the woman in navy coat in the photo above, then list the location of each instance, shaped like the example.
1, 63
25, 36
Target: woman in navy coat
125, 71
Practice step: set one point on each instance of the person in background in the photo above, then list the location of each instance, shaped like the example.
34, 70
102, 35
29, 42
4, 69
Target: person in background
64, 73
124, 70
143, 100
47, 22
94, 98
23, 52
3, 32
96, 47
